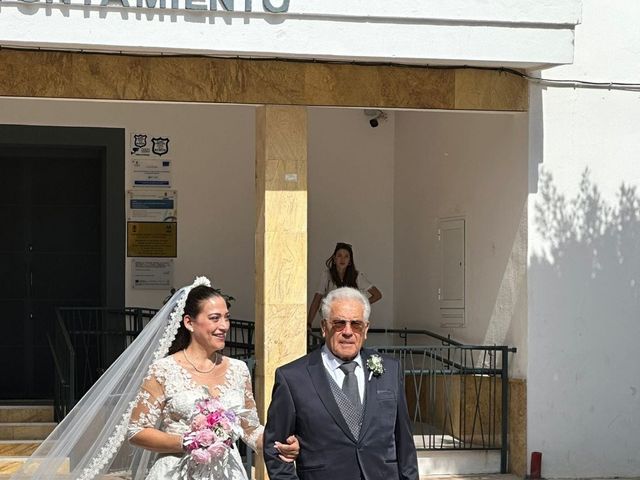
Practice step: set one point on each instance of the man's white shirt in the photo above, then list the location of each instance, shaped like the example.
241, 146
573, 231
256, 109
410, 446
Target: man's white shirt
332, 365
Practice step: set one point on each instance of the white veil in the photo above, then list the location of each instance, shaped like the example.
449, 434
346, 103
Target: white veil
91, 440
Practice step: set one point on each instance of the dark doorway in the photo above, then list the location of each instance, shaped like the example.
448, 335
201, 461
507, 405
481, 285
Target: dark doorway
56, 247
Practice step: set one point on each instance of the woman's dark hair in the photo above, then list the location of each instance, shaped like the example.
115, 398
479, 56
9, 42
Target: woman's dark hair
192, 307
350, 274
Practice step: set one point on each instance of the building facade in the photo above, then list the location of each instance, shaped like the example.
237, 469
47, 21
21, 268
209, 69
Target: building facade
266, 107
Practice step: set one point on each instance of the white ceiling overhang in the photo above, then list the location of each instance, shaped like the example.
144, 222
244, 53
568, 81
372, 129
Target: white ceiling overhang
509, 33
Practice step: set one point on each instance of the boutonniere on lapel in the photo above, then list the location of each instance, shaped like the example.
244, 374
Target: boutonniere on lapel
375, 366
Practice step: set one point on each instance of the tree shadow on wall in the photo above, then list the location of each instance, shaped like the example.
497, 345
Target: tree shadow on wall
587, 284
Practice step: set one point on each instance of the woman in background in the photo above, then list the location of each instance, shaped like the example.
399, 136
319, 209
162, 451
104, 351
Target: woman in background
341, 272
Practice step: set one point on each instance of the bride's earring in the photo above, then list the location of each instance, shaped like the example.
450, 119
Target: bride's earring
188, 327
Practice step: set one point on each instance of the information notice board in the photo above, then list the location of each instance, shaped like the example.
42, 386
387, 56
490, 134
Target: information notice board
152, 273
152, 239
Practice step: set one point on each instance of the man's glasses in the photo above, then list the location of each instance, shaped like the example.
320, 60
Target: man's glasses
357, 326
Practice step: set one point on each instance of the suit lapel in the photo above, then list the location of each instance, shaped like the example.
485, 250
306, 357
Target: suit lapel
370, 400
321, 384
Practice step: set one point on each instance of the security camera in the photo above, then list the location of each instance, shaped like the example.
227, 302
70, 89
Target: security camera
375, 117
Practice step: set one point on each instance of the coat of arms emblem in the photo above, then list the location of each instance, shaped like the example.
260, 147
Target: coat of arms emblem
160, 146
140, 140
139, 143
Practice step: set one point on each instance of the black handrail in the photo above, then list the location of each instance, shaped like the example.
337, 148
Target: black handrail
405, 332
63, 354
457, 365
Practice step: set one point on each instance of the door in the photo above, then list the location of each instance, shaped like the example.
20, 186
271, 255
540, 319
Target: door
50, 255
452, 291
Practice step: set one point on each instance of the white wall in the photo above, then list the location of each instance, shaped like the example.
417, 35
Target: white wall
351, 198
472, 165
469, 32
350, 187
584, 309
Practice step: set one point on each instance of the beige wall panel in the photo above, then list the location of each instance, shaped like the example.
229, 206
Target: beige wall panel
490, 90
285, 211
285, 266
423, 88
285, 146
189, 79
283, 345
518, 427
352, 85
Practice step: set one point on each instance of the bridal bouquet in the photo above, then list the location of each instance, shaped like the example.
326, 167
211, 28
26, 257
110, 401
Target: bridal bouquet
212, 434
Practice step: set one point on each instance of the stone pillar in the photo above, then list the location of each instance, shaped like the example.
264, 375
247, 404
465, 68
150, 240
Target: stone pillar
281, 245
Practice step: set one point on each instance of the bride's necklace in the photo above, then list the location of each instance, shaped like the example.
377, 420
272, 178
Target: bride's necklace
215, 363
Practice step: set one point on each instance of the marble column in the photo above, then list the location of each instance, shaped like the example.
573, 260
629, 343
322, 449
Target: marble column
281, 245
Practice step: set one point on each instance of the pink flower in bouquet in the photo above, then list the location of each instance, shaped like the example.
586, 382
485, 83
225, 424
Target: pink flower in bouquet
199, 422
217, 449
224, 423
205, 437
213, 418
201, 456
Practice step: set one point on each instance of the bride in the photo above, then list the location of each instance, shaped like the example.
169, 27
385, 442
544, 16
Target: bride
150, 397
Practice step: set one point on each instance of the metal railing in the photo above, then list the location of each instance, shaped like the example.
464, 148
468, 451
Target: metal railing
407, 337
240, 342
458, 396
64, 356
85, 341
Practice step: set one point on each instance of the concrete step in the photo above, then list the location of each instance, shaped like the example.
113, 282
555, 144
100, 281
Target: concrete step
18, 448
26, 413
458, 462
26, 430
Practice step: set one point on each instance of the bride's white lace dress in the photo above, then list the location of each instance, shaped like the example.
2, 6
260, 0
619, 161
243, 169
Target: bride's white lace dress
167, 402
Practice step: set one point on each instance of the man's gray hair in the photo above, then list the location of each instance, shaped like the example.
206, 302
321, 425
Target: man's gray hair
345, 293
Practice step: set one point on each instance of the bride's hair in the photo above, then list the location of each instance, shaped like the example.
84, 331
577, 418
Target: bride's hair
192, 307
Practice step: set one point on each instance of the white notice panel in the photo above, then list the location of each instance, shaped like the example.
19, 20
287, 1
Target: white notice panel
152, 206
151, 172
152, 274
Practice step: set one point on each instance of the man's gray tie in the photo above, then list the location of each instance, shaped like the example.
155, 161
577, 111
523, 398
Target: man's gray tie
350, 384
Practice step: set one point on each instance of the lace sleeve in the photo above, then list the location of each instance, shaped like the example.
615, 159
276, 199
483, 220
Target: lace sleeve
251, 428
149, 405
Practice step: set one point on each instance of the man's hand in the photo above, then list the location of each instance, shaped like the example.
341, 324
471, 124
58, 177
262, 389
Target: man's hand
288, 451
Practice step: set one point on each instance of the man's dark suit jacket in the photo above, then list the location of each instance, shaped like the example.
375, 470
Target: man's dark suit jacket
303, 404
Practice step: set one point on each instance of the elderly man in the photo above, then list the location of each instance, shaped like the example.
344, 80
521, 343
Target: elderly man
346, 405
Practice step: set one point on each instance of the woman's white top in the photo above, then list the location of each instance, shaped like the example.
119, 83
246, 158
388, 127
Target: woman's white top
326, 283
